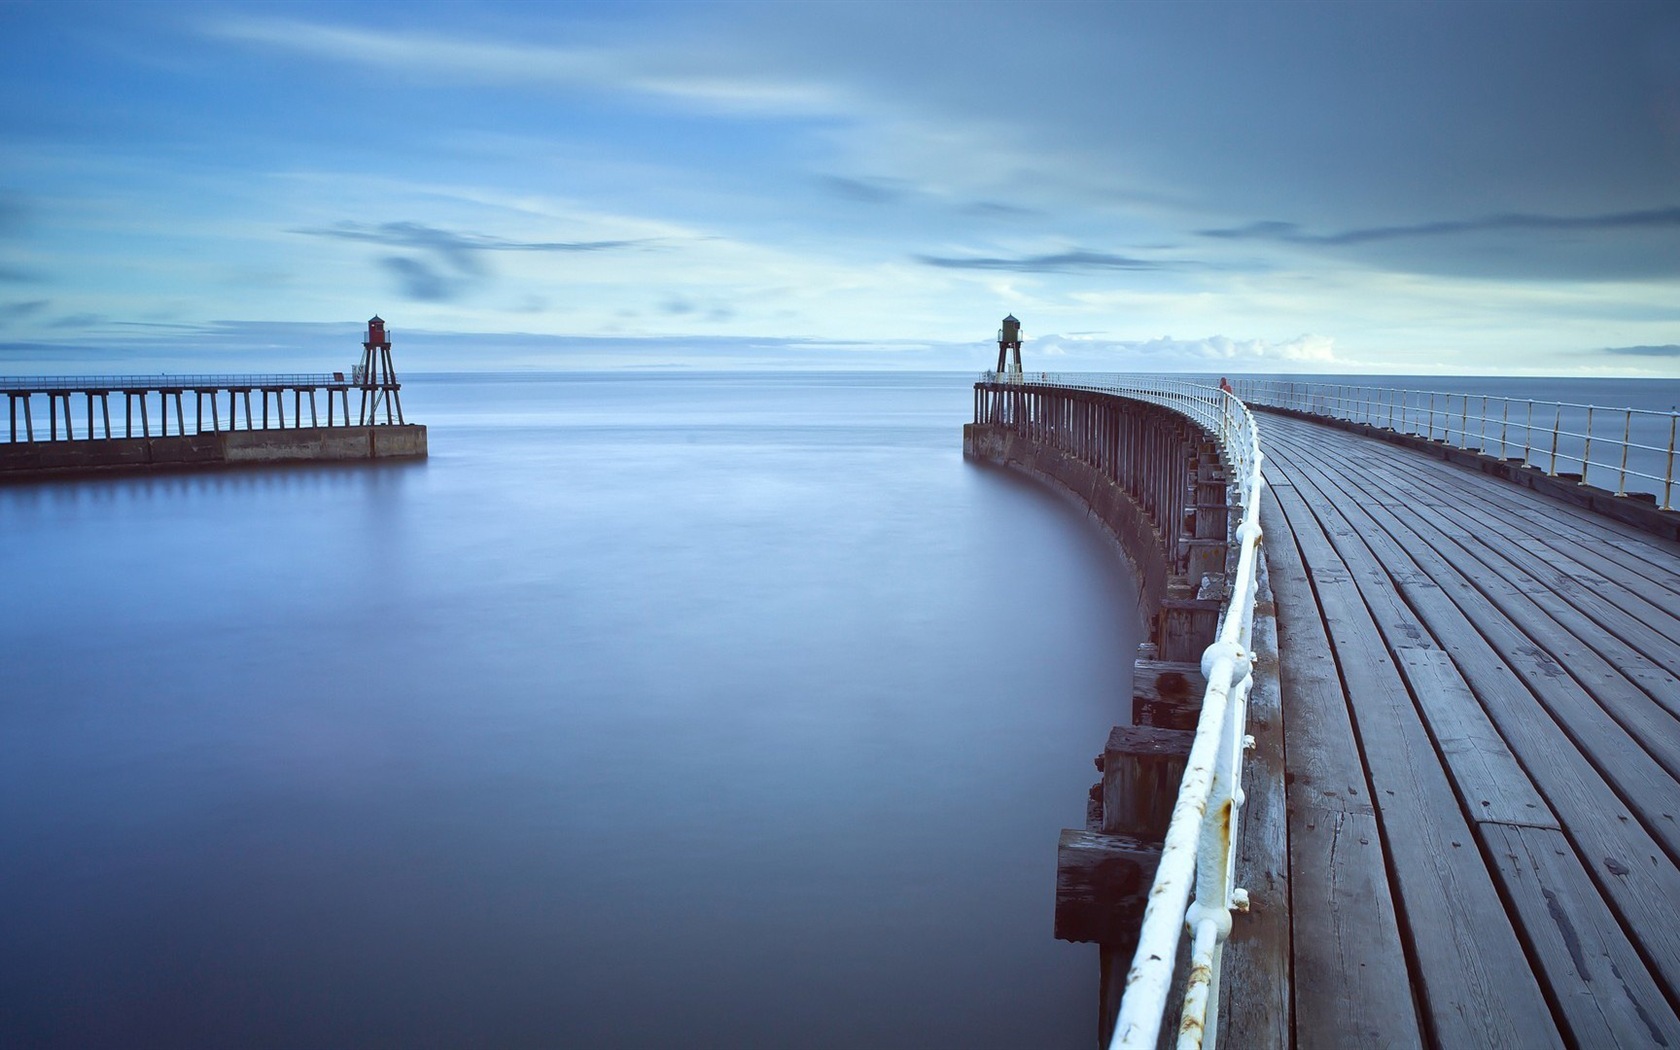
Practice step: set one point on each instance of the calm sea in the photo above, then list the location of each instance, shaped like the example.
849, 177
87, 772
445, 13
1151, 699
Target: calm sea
709, 710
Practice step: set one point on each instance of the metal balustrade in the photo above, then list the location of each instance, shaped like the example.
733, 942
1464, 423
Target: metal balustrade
107, 384
1625, 450
172, 394
1199, 853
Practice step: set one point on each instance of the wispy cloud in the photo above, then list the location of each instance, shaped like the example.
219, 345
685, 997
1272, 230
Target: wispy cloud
997, 209
422, 282
1058, 262
1291, 233
21, 310
864, 191
675, 74
82, 320
454, 268
12, 217
457, 246
1666, 350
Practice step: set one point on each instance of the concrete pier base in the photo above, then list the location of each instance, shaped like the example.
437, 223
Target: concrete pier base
31, 460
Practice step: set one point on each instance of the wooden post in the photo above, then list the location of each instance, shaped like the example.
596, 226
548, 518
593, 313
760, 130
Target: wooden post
1102, 886
1187, 624
105, 410
1141, 769
1167, 695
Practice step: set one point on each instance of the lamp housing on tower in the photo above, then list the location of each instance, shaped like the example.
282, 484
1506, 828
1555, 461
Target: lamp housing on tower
377, 377
1009, 345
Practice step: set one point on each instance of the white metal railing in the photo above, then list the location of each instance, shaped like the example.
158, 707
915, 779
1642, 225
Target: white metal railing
161, 381
1200, 848
1624, 449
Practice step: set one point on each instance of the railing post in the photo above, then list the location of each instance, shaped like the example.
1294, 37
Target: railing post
1668, 475
1586, 450
1557, 423
1627, 432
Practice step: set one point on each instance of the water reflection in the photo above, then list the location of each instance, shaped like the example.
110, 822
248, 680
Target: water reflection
738, 710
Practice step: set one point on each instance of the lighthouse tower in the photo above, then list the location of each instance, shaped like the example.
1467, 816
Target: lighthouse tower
1009, 339
377, 378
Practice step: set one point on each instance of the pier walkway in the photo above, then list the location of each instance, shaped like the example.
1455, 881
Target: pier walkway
1481, 708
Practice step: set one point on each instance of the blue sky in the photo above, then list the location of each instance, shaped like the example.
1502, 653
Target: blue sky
1232, 187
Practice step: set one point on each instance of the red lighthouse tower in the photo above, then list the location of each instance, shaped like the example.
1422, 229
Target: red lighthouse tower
377, 378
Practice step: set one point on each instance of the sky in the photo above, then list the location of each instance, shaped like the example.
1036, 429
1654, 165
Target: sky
1246, 187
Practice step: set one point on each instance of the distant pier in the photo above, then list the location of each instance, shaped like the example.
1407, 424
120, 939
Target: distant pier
64, 425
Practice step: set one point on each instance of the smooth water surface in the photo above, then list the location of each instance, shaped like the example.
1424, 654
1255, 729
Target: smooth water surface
706, 710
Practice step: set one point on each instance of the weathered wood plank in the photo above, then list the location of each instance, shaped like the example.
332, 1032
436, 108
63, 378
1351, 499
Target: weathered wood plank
1351, 985
1255, 977
1537, 515
1630, 868
1626, 683
1489, 650
1490, 780
1601, 985
1476, 984
1640, 637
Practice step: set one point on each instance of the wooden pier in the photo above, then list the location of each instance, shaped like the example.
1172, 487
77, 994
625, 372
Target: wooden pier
1481, 694
41, 437
170, 394
1462, 825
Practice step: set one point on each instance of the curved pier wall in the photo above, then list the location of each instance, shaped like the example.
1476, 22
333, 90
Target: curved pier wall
1152, 478
1105, 499
1156, 482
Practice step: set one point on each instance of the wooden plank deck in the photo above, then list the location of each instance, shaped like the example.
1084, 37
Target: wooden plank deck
1481, 695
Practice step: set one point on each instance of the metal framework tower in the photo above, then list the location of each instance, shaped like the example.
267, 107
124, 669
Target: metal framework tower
1009, 339
377, 378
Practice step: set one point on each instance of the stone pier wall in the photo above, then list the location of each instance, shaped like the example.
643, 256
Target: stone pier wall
26, 460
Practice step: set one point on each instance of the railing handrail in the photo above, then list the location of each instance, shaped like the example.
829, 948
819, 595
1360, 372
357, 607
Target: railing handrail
1200, 847
77, 384
1458, 393
1447, 416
